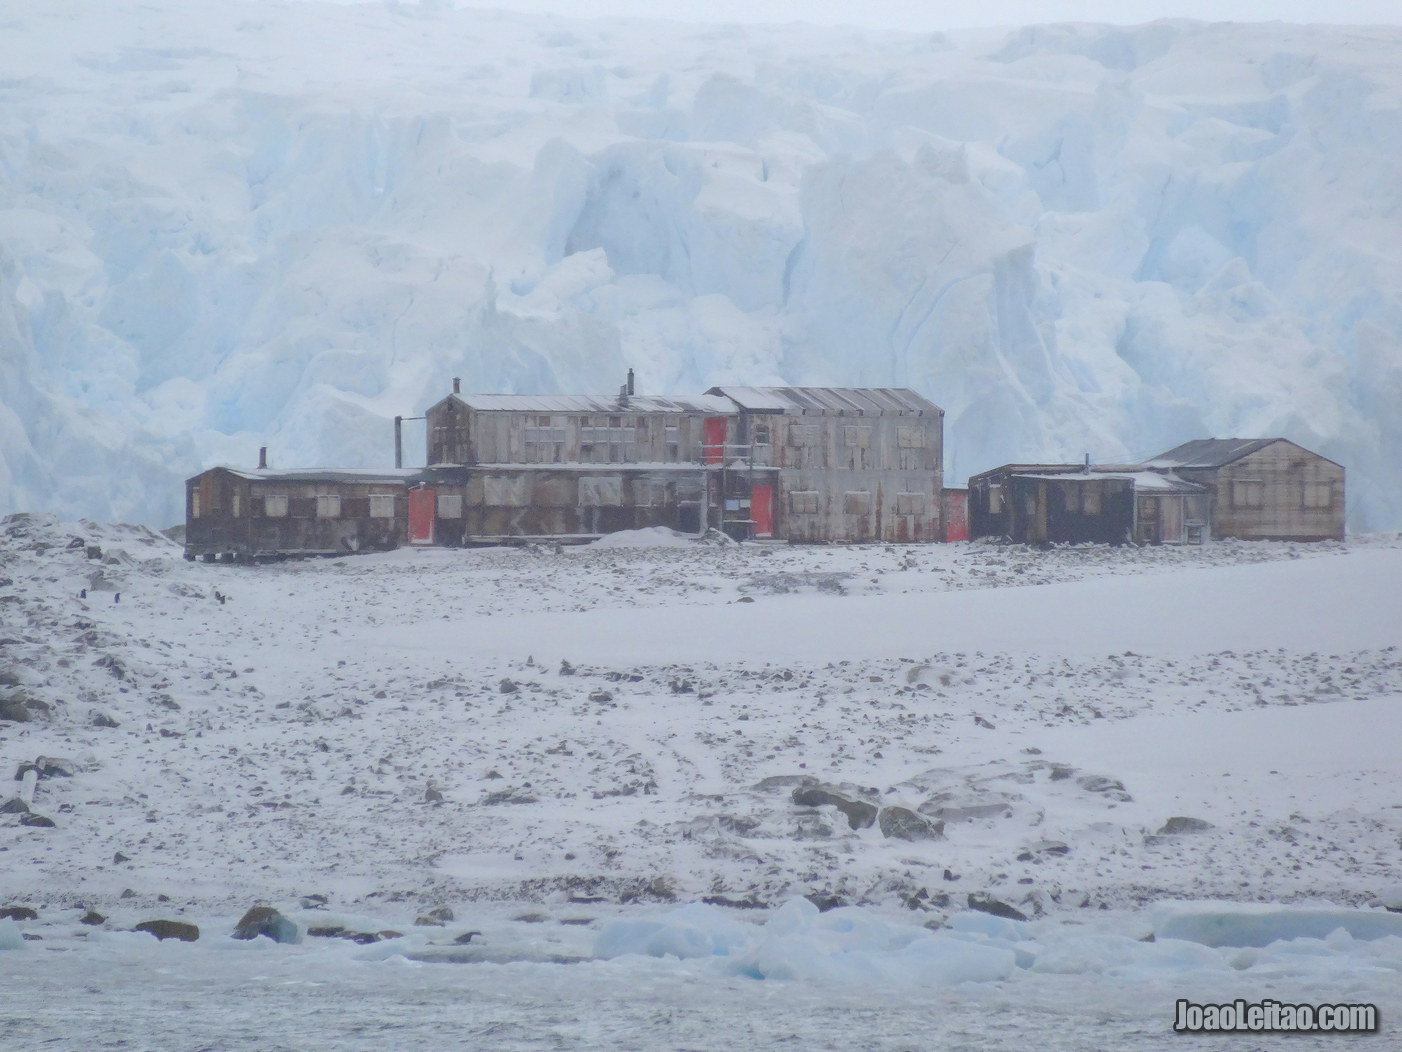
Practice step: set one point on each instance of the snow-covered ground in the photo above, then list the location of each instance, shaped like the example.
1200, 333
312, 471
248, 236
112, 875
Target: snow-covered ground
572, 748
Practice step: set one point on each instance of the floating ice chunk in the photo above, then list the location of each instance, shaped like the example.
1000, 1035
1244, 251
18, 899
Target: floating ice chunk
1248, 924
975, 922
696, 930
10, 936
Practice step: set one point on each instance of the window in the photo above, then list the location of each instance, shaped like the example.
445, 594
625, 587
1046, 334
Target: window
649, 493
803, 501
504, 491
858, 437
856, 502
762, 434
995, 498
450, 505
1083, 497
910, 504
194, 504
803, 434
910, 437
382, 505
234, 506
1318, 495
601, 490
1248, 493
328, 506
1149, 509
275, 505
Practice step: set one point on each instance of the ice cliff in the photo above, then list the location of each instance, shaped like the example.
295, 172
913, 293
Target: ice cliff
225, 225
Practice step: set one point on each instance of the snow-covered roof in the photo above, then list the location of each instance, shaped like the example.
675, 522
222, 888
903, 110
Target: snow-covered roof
393, 476
828, 399
1144, 480
706, 404
1209, 452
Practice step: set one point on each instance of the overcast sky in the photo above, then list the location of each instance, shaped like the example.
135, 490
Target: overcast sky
950, 14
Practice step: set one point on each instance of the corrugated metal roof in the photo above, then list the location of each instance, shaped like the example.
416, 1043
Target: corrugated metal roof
394, 476
829, 399
708, 405
1159, 481
1208, 452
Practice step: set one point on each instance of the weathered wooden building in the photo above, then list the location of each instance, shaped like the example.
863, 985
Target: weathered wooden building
1077, 504
788, 463
839, 463
1262, 488
234, 513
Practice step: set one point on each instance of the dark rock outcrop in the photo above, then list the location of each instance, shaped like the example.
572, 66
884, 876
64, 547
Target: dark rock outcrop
859, 813
904, 824
268, 922
988, 904
170, 929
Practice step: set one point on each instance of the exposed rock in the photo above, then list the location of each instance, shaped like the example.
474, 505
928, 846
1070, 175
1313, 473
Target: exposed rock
437, 917
14, 806
1060, 772
432, 796
170, 929
904, 824
601, 695
268, 922
1096, 783
1043, 847
56, 767
988, 904
984, 723
466, 937
507, 686
859, 813
966, 812
509, 795
101, 719
119, 858
29, 818
1182, 824
19, 913
92, 917
329, 931
782, 781
13, 707
826, 902
749, 902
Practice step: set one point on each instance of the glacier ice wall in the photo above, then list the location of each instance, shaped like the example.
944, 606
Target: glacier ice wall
232, 225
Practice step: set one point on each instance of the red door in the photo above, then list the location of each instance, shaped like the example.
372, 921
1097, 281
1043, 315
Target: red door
713, 440
762, 510
421, 516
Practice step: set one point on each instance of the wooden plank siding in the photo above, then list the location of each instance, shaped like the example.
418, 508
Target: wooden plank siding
1281, 492
876, 477
227, 515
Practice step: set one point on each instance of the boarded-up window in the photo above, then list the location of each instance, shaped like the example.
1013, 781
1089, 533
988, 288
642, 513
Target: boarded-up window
328, 506
194, 504
803, 434
1318, 494
1248, 493
1083, 497
910, 504
504, 491
612, 435
234, 506
803, 501
1149, 509
910, 437
382, 505
601, 490
649, 493
857, 437
450, 505
275, 505
856, 502
995, 498
673, 436
762, 435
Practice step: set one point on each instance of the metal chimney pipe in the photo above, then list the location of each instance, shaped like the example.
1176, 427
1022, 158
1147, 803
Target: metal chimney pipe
630, 381
262, 458
1087, 463
399, 441
457, 385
